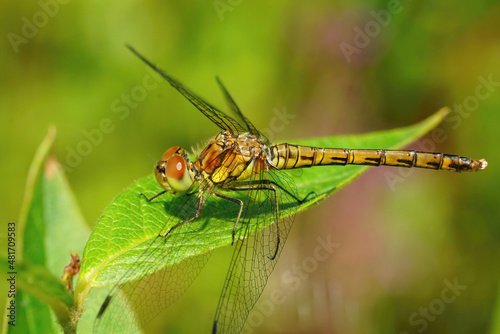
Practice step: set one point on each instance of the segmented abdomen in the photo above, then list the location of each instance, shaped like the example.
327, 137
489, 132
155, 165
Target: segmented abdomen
287, 156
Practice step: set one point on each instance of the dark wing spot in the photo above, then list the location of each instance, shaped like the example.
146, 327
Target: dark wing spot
104, 306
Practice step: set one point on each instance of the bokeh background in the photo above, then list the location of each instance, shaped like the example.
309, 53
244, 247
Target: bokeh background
337, 67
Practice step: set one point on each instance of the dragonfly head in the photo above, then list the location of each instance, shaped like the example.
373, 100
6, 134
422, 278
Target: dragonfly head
173, 173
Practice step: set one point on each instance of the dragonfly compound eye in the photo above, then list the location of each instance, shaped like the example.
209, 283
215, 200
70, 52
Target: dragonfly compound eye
172, 171
169, 153
178, 177
161, 175
176, 166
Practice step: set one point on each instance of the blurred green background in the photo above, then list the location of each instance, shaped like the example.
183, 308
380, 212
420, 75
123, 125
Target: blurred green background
337, 67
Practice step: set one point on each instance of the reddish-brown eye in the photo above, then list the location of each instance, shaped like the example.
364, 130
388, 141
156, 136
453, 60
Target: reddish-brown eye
176, 166
168, 153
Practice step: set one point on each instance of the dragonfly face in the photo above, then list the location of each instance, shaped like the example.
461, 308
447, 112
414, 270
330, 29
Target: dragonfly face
173, 171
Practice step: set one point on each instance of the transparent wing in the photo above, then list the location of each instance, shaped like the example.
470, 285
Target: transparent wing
222, 120
243, 119
146, 296
257, 248
152, 294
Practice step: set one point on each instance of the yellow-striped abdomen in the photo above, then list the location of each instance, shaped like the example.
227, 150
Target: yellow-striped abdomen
287, 156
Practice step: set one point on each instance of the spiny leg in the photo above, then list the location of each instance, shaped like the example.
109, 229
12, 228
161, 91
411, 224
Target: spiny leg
152, 198
264, 186
196, 215
273, 183
237, 201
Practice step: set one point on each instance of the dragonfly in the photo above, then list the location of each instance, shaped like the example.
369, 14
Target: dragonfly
241, 173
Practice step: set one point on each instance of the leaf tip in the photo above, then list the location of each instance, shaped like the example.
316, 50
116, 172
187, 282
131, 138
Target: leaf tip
52, 131
51, 166
443, 112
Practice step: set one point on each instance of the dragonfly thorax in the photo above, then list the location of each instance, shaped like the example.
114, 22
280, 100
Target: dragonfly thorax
173, 172
231, 157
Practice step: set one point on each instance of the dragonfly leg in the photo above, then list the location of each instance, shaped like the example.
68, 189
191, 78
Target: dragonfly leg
152, 198
307, 196
300, 201
272, 188
237, 201
265, 185
267, 182
196, 215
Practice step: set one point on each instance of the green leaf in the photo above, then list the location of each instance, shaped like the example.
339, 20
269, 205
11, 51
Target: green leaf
49, 228
130, 223
48, 288
495, 326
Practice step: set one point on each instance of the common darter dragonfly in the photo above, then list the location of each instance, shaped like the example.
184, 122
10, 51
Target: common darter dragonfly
239, 160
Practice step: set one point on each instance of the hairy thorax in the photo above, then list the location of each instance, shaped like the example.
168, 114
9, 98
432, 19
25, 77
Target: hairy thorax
229, 157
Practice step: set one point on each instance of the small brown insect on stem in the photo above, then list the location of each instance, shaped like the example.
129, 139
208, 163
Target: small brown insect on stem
71, 270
